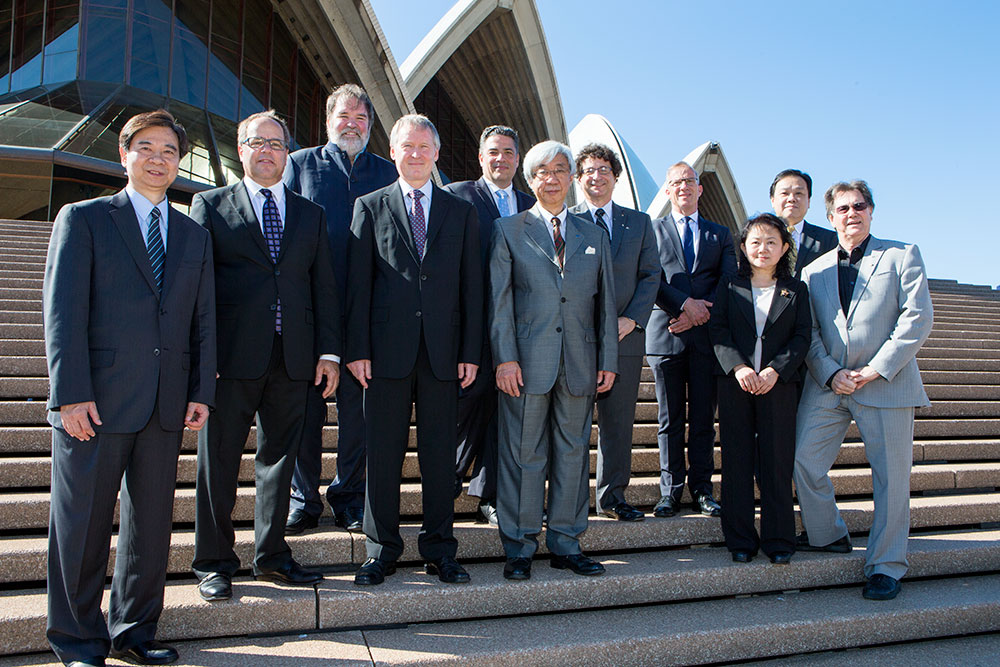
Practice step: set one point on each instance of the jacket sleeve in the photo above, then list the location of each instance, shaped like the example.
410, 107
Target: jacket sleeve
788, 360
471, 286
727, 263
360, 267
607, 313
721, 333
325, 302
503, 340
916, 317
647, 278
201, 381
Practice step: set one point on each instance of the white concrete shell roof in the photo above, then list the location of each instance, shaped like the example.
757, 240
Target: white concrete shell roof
720, 200
636, 187
492, 60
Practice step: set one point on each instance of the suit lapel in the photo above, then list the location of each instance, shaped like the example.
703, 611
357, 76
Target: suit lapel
572, 235
439, 213
394, 201
866, 267
538, 236
618, 228
745, 301
239, 198
782, 297
292, 221
128, 226
524, 202
487, 195
672, 238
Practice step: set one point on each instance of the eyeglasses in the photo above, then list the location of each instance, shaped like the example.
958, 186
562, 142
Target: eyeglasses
545, 173
857, 206
256, 143
603, 170
682, 181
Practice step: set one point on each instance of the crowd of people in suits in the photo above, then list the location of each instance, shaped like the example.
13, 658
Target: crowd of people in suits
504, 318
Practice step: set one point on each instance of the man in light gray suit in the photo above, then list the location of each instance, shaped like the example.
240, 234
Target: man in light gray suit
871, 313
636, 277
554, 336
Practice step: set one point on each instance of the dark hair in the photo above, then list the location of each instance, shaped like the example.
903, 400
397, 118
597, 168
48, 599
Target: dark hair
503, 131
784, 267
854, 186
599, 152
270, 114
158, 118
350, 90
793, 172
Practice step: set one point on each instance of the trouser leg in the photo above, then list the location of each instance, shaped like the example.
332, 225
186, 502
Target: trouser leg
738, 434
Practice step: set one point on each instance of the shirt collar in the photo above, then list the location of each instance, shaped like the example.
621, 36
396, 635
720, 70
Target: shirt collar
856, 254
606, 208
693, 216
494, 189
427, 188
143, 206
547, 217
254, 188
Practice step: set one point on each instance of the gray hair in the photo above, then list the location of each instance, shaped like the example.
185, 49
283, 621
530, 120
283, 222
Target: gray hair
682, 163
350, 91
857, 185
270, 114
545, 152
412, 120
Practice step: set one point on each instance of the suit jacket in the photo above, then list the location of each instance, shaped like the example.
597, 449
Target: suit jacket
636, 262
889, 318
109, 336
786, 335
248, 284
479, 195
716, 258
815, 241
540, 315
394, 298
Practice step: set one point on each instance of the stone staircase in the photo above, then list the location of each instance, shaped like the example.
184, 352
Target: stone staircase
670, 595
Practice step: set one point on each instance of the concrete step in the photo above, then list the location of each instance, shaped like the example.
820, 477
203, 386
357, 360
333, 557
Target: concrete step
28, 510
19, 347
971, 343
20, 283
677, 575
21, 305
23, 367
14, 274
957, 353
14, 317
21, 330
32, 293
953, 364
14, 268
977, 649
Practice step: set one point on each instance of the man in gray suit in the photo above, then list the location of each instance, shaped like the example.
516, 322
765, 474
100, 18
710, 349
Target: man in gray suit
129, 309
636, 277
791, 191
871, 313
554, 335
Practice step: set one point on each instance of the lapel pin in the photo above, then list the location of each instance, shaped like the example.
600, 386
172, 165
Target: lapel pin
785, 292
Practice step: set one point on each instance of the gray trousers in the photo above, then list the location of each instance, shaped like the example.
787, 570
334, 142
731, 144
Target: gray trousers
615, 419
539, 434
888, 439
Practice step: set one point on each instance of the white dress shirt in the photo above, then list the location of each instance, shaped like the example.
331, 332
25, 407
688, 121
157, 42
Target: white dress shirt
762, 297
607, 216
547, 219
511, 199
143, 207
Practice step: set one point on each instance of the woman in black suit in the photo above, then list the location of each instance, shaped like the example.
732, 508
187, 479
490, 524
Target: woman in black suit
760, 329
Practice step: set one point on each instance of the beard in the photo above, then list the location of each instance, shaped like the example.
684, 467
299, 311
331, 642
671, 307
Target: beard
352, 144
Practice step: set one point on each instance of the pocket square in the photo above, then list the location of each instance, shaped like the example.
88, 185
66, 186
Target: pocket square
590, 250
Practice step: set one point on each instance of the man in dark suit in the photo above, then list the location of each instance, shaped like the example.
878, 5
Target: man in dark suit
477, 405
128, 300
694, 255
414, 332
636, 277
333, 176
277, 313
791, 191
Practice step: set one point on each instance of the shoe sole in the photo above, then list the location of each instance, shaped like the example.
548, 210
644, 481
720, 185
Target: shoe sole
560, 566
516, 577
214, 598
432, 570
285, 582
880, 596
829, 550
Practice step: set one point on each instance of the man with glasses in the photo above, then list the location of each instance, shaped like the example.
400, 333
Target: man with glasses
871, 313
334, 175
279, 332
791, 191
494, 197
637, 276
695, 254
554, 334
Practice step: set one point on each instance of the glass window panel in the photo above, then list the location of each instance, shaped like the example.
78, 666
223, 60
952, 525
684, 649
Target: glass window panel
225, 141
190, 51
99, 137
150, 54
62, 36
49, 117
256, 56
196, 164
26, 64
283, 70
310, 106
24, 189
102, 46
70, 185
6, 29
224, 62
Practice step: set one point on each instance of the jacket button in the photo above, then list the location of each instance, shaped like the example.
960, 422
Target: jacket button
563, 300
156, 352
423, 277
418, 313
558, 329
274, 306
277, 272
163, 311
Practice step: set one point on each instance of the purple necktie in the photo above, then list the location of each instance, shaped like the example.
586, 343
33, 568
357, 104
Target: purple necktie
417, 223
272, 234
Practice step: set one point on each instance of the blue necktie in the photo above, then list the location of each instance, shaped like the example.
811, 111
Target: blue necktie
502, 204
154, 246
272, 234
418, 225
688, 244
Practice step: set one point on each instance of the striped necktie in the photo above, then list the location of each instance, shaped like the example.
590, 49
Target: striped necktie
601, 222
557, 240
154, 246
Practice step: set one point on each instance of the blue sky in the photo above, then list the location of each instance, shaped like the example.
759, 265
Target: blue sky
905, 95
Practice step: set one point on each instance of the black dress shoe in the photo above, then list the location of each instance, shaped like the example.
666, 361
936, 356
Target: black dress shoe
458, 486
666, 507
881, 587
216, 586
841, 546
517, 569
742, 556
289, 573
374, 571
448, 570
352, 519
578, 563
706, 504
781, 558
487, 513
624, 512
89, 662
299, 521
147, 653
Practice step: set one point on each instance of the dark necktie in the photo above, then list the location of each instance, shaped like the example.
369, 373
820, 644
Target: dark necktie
418, 225
557, 240
272, 234
154, 246
601, 222
688, 244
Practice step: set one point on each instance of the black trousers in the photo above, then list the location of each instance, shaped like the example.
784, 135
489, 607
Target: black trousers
757, 431
388, 404
279, 403
477, 432
685, 383
85, 484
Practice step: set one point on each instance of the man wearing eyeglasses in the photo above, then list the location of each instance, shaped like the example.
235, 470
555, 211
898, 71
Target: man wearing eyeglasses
279, 332
494, 197
871, 313
637, 276
791, 191
695, 254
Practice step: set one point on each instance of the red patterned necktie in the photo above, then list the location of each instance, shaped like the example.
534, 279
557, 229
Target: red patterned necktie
557, 239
